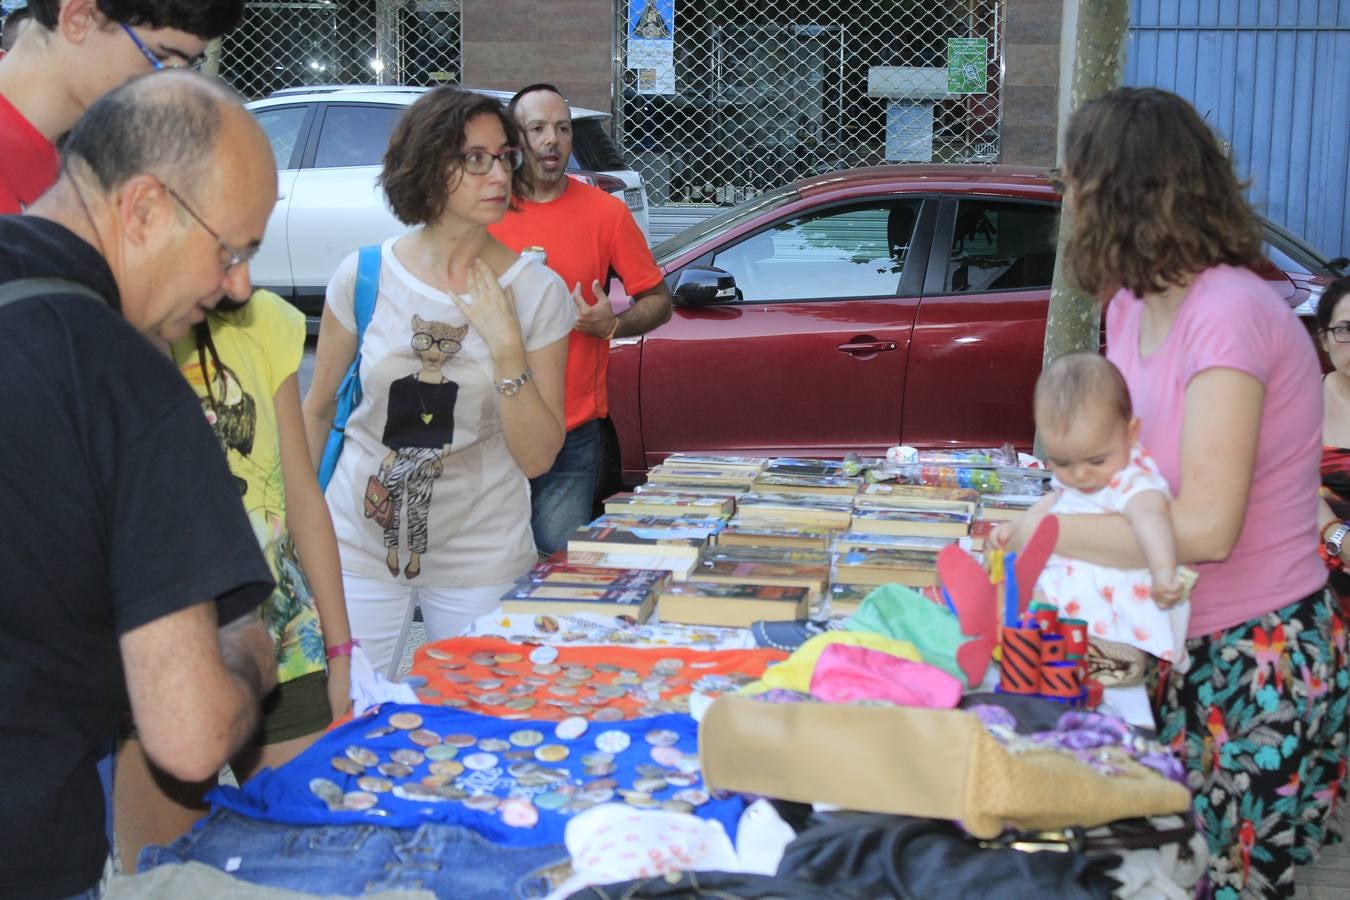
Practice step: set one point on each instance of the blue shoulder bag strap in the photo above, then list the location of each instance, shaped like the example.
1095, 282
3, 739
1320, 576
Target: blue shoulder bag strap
349, 391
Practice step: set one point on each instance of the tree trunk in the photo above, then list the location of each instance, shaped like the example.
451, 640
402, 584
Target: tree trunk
1093, 62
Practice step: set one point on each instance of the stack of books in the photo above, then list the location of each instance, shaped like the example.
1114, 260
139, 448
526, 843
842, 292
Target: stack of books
555, 587
739, 585
672, 505
642, 542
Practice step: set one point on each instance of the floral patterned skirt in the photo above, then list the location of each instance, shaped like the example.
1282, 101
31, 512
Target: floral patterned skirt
1259, 723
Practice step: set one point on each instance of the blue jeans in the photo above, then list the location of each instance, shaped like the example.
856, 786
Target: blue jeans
447, 860
563, 496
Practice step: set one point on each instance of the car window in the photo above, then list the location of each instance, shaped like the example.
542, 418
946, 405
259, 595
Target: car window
282, 126
857, 251
593, 148
355, 135
1001, 246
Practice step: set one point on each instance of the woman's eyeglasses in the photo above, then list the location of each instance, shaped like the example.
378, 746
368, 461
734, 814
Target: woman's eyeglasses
421, 340
1339, 332
479, 162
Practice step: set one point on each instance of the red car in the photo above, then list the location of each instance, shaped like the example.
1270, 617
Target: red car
852, 311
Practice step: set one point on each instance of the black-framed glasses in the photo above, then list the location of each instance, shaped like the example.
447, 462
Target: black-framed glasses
195, 63
1340, 332
1056, 179
479, 162
422, 340
229, 256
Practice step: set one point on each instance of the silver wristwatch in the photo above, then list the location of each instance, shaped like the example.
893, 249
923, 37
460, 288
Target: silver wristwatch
1336, 538
511, 386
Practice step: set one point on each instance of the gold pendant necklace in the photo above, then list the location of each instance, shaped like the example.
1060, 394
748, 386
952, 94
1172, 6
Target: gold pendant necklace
428, 416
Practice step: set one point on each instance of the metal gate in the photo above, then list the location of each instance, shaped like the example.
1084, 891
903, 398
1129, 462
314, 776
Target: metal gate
719, 100
1271, 78
313, 42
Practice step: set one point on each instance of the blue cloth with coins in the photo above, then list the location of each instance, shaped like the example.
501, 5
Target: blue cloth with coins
514, 781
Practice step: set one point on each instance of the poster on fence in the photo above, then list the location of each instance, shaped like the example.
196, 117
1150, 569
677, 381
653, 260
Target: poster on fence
651, 45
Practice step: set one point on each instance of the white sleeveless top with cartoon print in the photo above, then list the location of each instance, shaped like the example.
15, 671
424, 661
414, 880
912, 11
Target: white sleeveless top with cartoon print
429, 431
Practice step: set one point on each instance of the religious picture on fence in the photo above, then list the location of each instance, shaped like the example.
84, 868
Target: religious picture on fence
418, 432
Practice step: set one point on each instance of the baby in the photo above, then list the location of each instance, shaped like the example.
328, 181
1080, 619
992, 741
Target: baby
1089, 433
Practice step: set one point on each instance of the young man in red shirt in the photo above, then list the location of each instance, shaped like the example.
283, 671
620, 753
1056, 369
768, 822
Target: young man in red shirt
77, 51
585, 233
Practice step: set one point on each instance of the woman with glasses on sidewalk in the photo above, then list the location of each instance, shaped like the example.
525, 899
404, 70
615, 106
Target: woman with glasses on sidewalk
1224, 378
1333, 512
462, 381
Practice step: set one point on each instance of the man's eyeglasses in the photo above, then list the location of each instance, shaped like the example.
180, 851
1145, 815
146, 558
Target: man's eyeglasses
1056, 179
195, 63
229, 256
479, 162
421, 340
1339, 332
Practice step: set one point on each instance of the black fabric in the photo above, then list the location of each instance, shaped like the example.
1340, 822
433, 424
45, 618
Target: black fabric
1032, 713
719, 885
119, 509
878, 857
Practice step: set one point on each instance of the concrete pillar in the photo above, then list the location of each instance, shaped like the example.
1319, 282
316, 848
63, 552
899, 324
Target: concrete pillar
1031, 41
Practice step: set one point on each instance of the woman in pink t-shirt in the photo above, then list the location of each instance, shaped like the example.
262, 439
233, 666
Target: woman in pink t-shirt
1225, 382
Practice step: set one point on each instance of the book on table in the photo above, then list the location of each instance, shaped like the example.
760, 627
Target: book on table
801, 465
604, 536
544, 599
751, 553
757, 534
1005, 507
798, 509
686, 488
922, 522
814, 576
722, 476
871, 540
731, 605
844, 599
678, 566
670, 505
908, 567
556, 570
916, 496
713, 461
827, 485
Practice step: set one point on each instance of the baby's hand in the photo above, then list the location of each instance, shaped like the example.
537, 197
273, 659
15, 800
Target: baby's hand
1168, 589
1003, 533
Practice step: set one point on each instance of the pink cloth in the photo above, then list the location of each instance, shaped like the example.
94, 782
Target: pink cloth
847, 674
1233, 319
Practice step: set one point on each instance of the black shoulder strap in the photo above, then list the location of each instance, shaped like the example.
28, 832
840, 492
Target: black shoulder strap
24, 288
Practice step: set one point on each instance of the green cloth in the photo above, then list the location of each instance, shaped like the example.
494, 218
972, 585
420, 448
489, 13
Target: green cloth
899, 613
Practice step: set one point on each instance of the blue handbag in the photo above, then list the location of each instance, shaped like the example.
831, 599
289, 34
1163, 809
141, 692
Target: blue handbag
349, 391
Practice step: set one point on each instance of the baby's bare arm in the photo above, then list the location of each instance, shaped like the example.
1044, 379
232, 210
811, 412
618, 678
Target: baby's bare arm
1151, 521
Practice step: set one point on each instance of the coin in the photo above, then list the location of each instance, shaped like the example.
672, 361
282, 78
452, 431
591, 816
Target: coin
546, 624
438, 653
482, 658
578, 673
435, 780
326, 791
543, 654
597, 758
480, 762
507, 658
667, 756
382, 731
598, 795
546, 669
361, 756
638, 800
689, 763
502, 672
442, 751
599, 771
423, 737
668, 666
488, 684
347, 766
522, 769
662, 737
455, 702
602, 784
459, 740
551, 800
407, 756
394, 770
609, 692
520, 689
418, 793
676, 806
413, 681
612, 741
527, 737
458, 678
373, 784
534, 680
482, 802
692, 796
493, 745
551, 753
520, 704
450, 792
492, 698
519, 813
518, 755
448, 767
649, 785
607, 668
405, 721
681, 779
561, 690
571, 728
451, 667
358, 801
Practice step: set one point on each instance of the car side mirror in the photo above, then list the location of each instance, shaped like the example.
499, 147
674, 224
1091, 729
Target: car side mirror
1340, 263
700, 286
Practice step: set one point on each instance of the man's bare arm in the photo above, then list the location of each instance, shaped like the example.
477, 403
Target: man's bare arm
195, 689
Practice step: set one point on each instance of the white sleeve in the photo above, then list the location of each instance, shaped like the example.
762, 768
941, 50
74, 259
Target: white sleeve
1139, 475
544, 305
341, 294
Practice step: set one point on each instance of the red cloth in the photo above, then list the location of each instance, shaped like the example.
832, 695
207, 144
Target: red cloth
455, 679
585, 233
29, 162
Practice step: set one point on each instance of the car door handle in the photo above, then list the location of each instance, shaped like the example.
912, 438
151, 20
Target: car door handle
862, 348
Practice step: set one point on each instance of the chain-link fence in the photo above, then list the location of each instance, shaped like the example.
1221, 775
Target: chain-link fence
311, 42
720, 100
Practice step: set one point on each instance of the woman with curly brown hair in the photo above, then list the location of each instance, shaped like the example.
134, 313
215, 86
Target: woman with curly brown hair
462, 376
1225, 381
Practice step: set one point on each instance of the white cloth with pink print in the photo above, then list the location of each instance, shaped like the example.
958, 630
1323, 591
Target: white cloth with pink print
1117, 604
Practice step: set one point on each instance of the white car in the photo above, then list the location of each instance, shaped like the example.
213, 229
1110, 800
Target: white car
329, 142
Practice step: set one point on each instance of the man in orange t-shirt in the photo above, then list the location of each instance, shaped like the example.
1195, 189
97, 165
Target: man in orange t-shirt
585, 233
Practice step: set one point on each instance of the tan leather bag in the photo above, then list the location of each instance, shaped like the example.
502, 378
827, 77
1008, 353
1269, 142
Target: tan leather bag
921, 762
